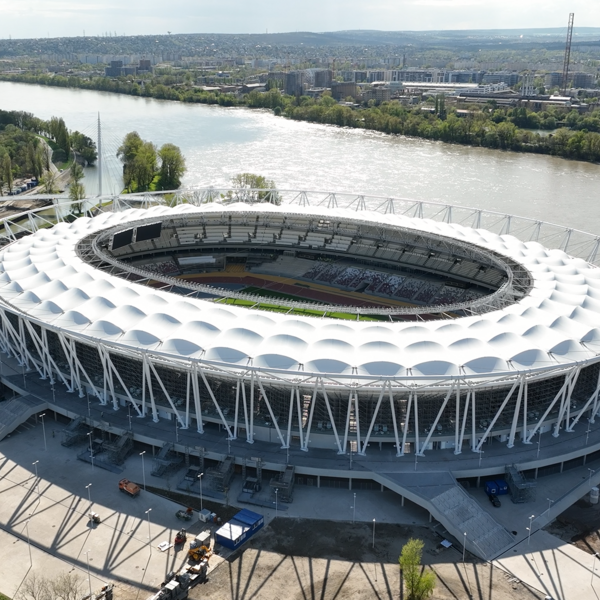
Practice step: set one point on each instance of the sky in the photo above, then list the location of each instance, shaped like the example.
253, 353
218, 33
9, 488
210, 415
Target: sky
59, 18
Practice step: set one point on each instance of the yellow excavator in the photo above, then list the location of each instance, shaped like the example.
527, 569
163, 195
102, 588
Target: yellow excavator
200, 553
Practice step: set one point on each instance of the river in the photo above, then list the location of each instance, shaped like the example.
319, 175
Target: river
221, 142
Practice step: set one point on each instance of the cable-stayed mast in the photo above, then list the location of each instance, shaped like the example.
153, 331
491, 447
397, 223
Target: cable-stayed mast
565, 73
99, 157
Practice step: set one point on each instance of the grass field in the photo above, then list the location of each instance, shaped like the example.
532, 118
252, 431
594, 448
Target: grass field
302, 311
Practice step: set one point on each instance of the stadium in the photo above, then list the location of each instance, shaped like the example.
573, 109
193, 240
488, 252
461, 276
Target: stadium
386, 324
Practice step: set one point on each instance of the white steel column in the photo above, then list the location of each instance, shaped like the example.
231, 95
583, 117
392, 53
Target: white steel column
515, 420
473, 420
212, 396
525, 411
249, 437
197, 403
290, 416
300, 424
464, 421
406, 422
394, 422
348, 413
335, 433
310, 416
498, 413
270, 409
457, 442
437, 419
188, 385
547, 411
593, 399
372, 424
237, 408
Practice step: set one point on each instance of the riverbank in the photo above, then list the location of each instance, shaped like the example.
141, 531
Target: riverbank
489, 127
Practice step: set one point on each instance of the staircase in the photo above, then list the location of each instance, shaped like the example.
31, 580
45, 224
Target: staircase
16, 411
459, 513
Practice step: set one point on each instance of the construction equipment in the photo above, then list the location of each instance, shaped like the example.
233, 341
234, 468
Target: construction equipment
185, 515
181, 537
94, 517
128, 487
105, 593
202, 539
200, 553
283, 484
178, 584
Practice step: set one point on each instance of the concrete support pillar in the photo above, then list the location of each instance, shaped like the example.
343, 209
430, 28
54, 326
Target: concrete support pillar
401, 500
318, 481
349, 483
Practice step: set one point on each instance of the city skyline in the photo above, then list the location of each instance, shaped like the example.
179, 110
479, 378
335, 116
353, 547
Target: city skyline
68, 18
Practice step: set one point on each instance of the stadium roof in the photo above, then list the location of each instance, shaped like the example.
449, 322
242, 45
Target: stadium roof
558, 322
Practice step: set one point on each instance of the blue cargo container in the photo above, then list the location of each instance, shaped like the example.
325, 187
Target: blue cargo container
491, 487
240, 529
502, 487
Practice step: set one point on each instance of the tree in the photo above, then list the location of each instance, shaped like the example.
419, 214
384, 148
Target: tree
144, 165
76, 172
49, 182
65, 586
249, 187
84, 146
7, 171
172, 166
127, 152
419, 584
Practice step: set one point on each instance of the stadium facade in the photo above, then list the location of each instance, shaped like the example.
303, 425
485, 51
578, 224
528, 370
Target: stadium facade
452, 333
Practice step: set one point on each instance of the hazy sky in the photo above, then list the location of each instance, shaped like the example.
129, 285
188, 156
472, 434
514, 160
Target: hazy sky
41, 18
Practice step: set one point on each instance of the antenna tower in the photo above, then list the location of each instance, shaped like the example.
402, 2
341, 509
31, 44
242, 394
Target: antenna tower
99, 157
565, 73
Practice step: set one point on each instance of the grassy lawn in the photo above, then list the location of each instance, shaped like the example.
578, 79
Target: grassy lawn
3, 597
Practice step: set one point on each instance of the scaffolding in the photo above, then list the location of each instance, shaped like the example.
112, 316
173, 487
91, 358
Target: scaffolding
119, 449
166, 460
521, 488
75, 432
252, 484
220, 476
283, 484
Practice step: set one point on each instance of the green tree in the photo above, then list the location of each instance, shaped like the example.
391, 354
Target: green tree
172, 166
7, 174
76, 172
419, 583
84, 146
144, 165
127, 152
248, 187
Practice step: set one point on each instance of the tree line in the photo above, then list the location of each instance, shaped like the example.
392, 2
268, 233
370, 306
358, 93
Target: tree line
147, 168
25, 153
572, 135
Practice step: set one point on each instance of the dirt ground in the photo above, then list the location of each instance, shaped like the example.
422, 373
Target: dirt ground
308, 560
579, 525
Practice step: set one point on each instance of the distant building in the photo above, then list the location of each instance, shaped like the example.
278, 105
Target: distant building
510, 78
340, 91
323, 78
553, 80
379, 94
145, 65
294, 83
115, 69
582, 80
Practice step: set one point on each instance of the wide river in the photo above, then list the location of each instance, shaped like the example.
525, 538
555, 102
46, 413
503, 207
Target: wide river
221, 142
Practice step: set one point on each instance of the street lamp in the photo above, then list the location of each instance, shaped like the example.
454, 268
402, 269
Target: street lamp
591, 473
28, 543
593, 567
539, 441
87, 487
550, 503
87, 558
529, 528
354, 508
91, 450
276, 495
149, 541
200, 478
464, 545
44, 430
37, 484
481, 452
373, 533
143, 470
